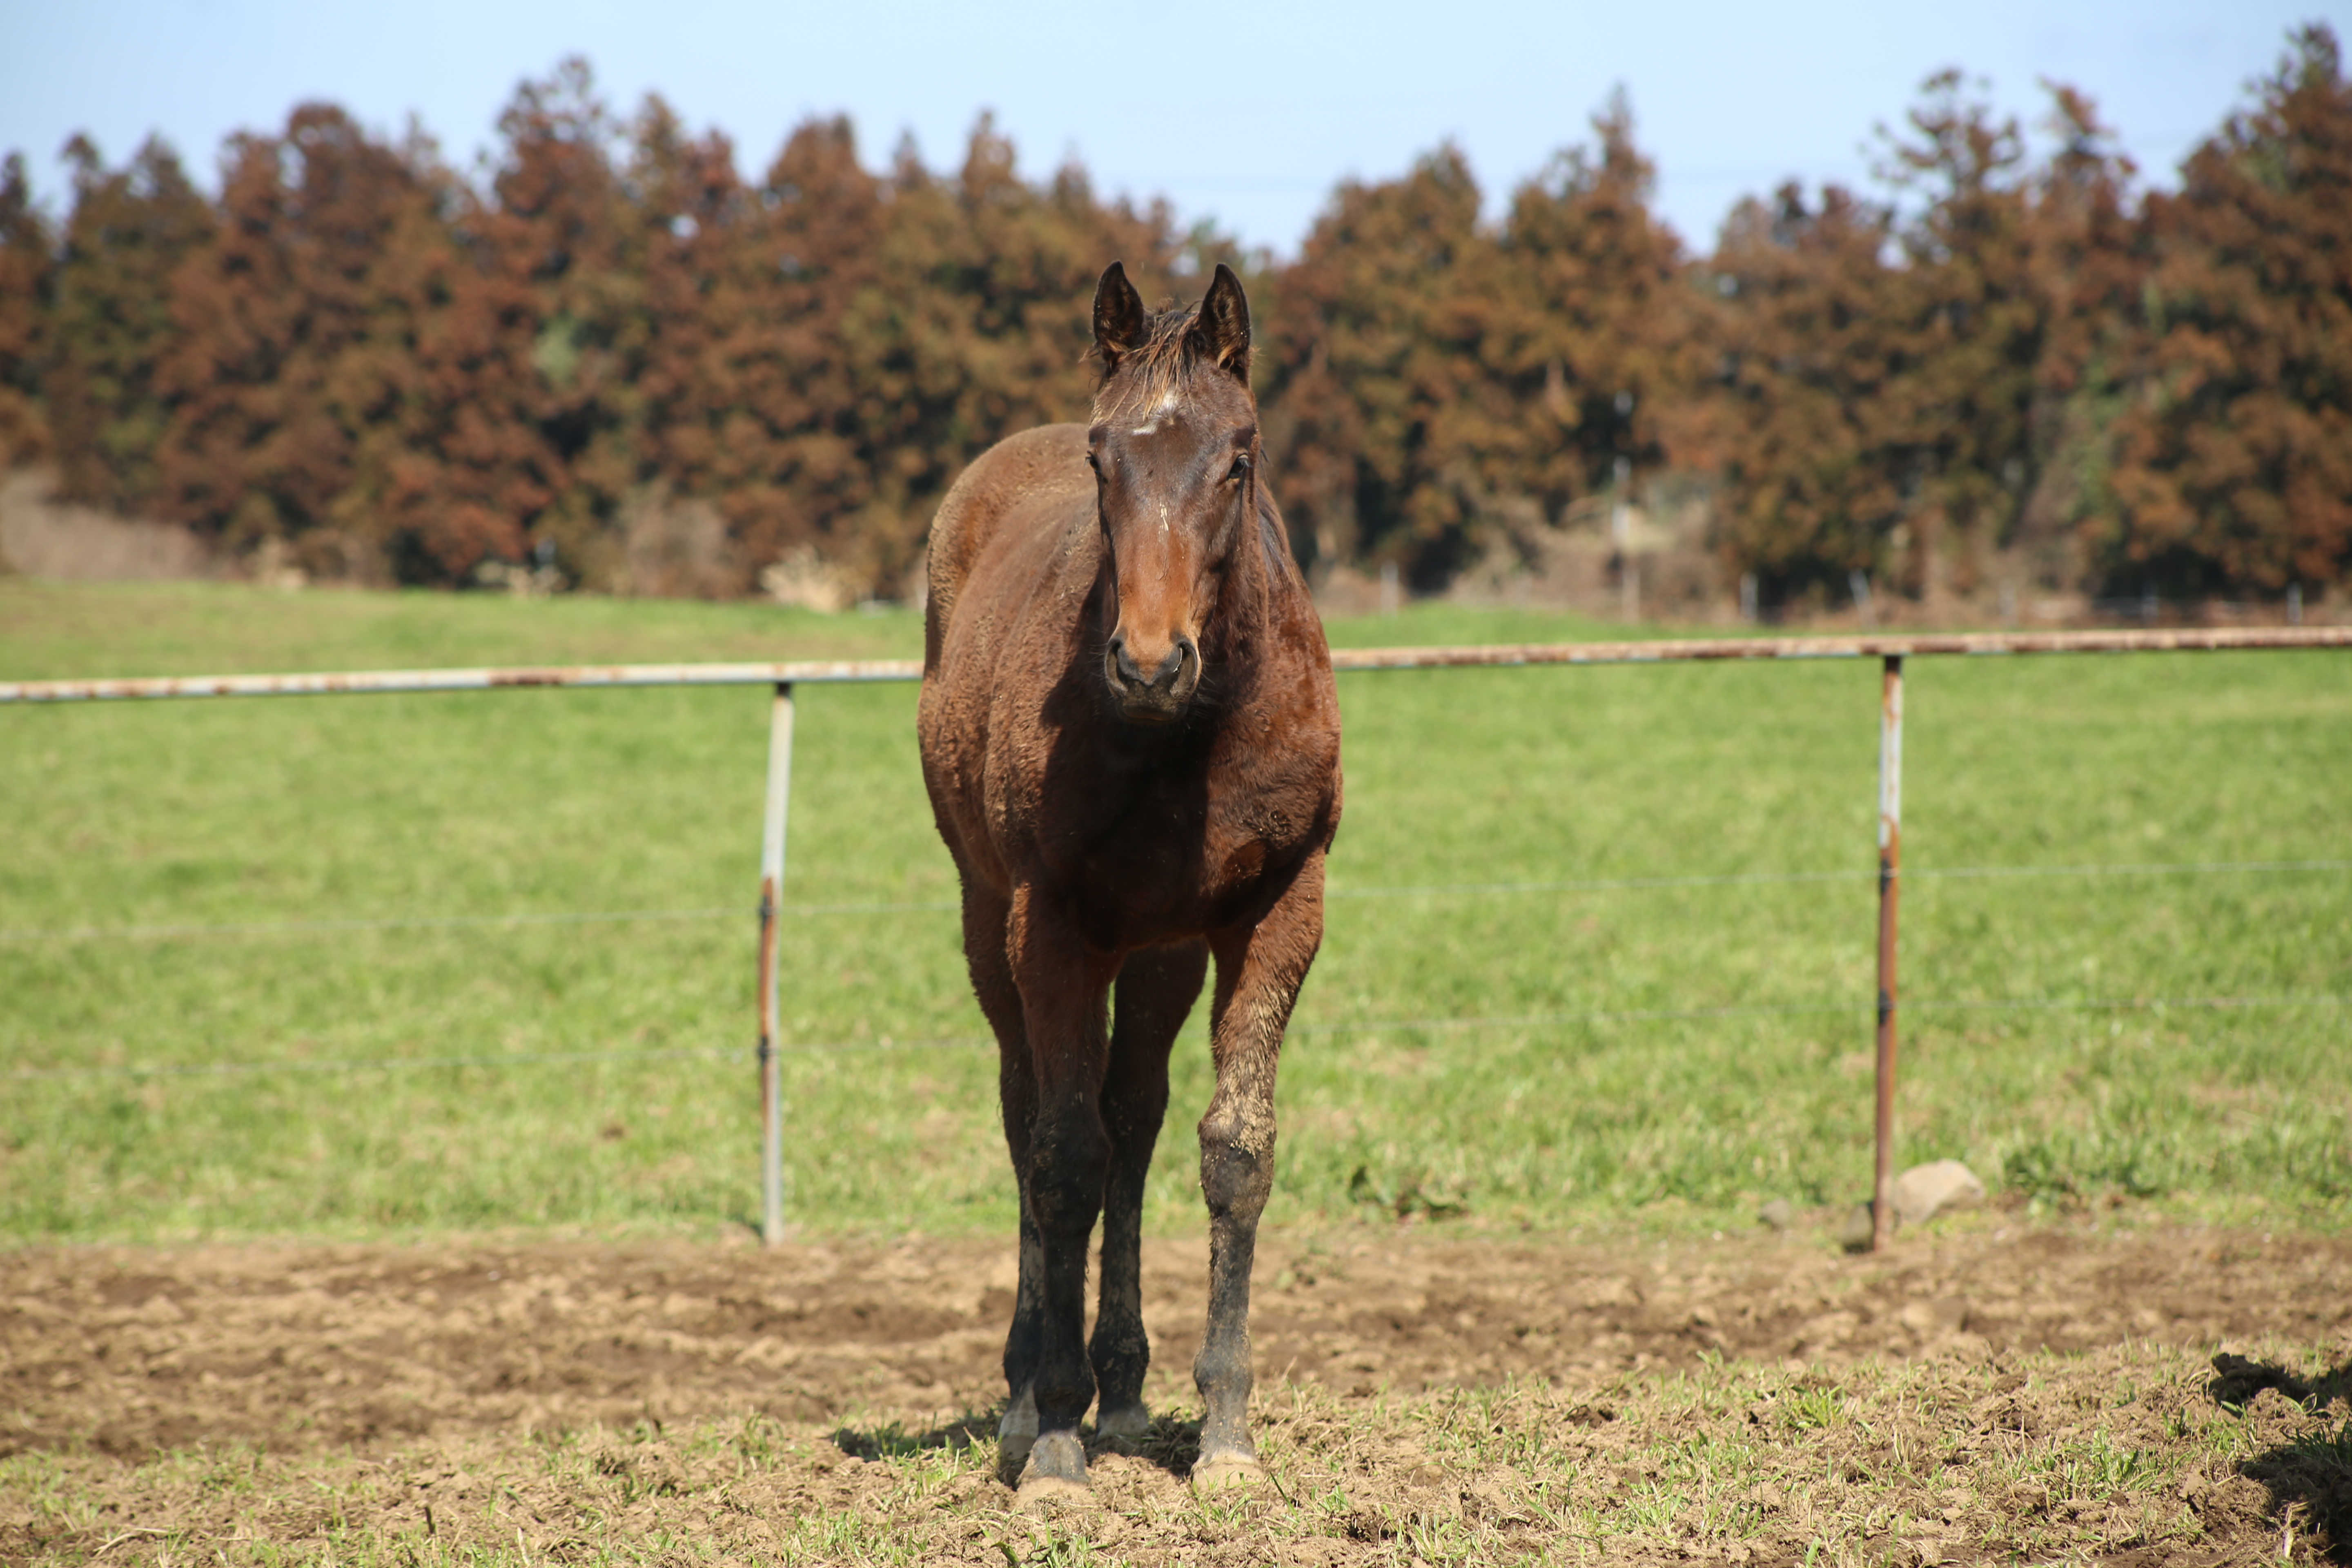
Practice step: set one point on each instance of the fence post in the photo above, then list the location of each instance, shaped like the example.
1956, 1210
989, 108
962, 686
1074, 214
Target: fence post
1890, 859
772, 899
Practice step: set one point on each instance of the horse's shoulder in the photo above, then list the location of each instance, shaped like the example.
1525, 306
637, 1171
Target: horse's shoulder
1046, 463
1050, 458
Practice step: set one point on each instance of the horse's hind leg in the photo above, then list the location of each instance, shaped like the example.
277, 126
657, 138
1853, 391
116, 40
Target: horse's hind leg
1155, 991
984, 917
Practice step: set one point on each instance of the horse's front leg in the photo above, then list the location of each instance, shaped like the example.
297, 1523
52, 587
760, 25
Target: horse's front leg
1064, 988
1155, 990
1259, 971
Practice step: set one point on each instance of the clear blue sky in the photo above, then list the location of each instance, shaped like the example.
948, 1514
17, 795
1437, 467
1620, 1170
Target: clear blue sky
1248, 113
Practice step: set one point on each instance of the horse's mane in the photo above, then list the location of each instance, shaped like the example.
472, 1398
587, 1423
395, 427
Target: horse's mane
1158, 367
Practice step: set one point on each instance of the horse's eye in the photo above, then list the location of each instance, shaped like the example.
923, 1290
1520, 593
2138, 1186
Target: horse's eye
1094, 465
1241, 467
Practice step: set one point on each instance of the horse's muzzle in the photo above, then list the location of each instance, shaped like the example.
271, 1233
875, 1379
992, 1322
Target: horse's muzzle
1158, 696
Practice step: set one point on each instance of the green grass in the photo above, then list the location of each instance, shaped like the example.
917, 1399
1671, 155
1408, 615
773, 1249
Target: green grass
1406, 1084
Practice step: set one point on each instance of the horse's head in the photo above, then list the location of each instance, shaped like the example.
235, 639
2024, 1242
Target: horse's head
1175, 448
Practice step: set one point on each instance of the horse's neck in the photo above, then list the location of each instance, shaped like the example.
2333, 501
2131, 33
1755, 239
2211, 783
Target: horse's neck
1258, 605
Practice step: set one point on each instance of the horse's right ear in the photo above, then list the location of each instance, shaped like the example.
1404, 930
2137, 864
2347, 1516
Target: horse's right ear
1119, 317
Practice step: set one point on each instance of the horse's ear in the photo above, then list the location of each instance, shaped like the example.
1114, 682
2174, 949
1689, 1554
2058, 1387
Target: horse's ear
1220, 331
1119, 317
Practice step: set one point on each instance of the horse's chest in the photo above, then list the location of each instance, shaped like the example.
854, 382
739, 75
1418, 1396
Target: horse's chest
1184, 857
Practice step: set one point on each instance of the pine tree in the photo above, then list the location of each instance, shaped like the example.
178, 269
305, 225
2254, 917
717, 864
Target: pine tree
1602, 353
1974, 330
1815, 346
2089, 260
1375, 354
293, 377
2234, 469
27, 270
976, 325
110, 320
748, 397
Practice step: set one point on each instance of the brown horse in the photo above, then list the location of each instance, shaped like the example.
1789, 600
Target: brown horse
1131, 741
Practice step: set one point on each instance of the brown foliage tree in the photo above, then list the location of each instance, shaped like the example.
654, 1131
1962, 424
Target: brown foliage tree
1903, 398
2235, 455
1814, 344
1602, 336
546, 331
1971, 319
110, 320
1440, 390
1373, 357
2089, 261
750, 398
975, 324
27, 268
617, 354
293, 373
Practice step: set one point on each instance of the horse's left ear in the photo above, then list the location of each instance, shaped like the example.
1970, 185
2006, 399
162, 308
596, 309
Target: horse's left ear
1222, 330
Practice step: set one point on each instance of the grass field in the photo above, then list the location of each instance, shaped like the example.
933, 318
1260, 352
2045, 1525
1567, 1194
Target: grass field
249, 885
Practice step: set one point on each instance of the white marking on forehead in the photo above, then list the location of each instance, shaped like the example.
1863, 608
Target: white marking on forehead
1164, 519
1168, 402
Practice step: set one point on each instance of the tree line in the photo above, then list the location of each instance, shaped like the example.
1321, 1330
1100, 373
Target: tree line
355, 354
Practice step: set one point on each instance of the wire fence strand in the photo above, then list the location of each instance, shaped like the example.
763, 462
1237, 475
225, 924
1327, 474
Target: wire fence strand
744, 1056
1403, 890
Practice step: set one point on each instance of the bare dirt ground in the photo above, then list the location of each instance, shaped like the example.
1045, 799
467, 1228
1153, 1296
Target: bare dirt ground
400, 1357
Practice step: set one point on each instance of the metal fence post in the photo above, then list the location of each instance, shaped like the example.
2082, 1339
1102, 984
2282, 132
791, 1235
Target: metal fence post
772, 899
1890, 859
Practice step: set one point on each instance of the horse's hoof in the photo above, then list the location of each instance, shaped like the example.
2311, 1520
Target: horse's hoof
1226, 1471
1057, 1472
1039, 1493
1123, 1431
1015, 1436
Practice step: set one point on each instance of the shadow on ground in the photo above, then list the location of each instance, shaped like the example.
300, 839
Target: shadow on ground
891, 1441
2309, 1477
1173, 1443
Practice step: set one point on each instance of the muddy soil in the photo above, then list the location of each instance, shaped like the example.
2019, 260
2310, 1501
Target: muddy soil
302, 1348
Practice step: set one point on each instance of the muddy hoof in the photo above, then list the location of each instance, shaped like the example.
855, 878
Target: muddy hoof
1057, 1472
1015, 1436
1041, 1493
1123, 1431
1226, 1472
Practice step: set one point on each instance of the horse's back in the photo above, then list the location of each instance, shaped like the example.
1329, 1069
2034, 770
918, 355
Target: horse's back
1022, 482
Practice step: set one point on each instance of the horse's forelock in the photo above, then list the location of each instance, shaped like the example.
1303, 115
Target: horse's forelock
1160, 367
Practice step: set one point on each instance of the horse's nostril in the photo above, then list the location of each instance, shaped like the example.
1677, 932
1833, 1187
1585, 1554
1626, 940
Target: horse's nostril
1120, 661
1171, 669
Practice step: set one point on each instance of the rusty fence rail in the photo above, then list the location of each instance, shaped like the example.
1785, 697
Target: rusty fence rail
1687, 650
782, 677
